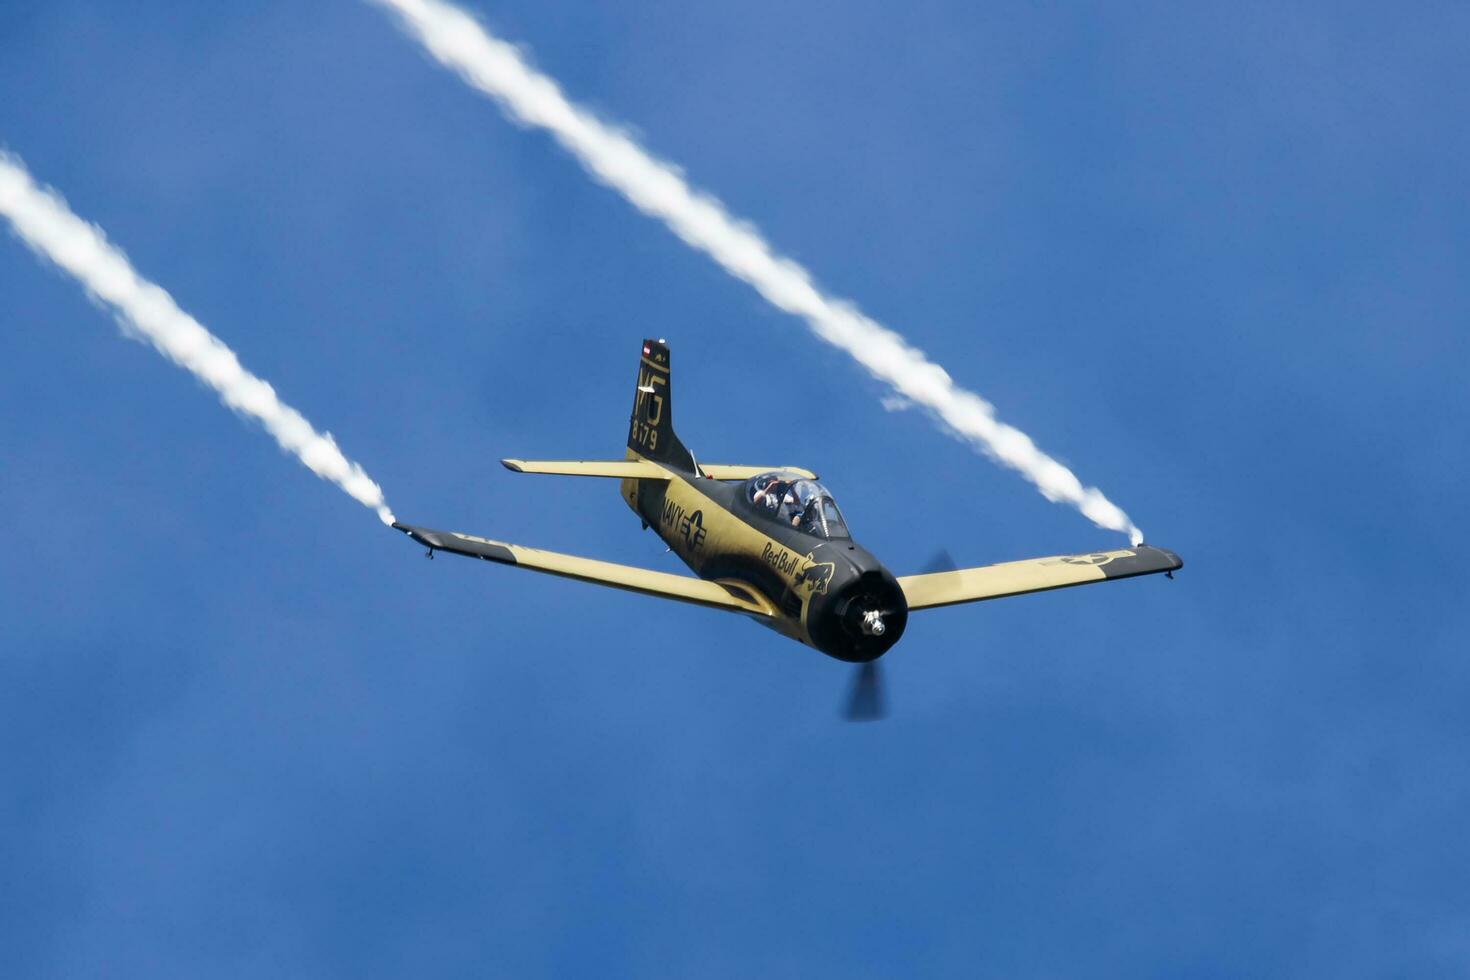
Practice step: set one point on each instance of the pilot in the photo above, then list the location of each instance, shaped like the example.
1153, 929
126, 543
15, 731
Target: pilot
768, 496
795, 502
811, 517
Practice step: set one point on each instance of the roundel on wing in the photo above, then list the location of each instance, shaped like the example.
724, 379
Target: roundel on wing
1089, 559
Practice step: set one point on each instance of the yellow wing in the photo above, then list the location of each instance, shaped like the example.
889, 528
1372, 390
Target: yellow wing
619, 469
728, 595
1033, 575
716, 471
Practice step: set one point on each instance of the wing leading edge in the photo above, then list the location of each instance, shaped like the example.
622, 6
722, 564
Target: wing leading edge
682, 588
1033, 575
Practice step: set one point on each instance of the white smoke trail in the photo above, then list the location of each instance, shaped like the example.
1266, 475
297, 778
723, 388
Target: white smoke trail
42, 220
658, 189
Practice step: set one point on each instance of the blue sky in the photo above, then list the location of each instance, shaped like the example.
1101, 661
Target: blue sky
1211, 259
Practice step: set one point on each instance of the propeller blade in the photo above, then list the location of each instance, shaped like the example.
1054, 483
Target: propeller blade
940, 561
866, 702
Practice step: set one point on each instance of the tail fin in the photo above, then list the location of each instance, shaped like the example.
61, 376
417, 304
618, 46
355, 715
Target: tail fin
651, 427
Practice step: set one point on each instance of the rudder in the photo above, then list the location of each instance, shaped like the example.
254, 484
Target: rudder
651, 426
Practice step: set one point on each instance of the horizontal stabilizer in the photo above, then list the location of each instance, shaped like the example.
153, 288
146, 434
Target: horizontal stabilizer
715, 471
640, 469
1033, 575
732, 596
618, 469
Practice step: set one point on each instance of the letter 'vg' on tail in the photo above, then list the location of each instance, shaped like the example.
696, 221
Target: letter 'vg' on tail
651, 427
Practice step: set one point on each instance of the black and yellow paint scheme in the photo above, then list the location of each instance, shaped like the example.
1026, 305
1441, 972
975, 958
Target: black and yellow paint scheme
770, 543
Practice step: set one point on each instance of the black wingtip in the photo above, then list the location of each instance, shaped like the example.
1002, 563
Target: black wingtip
1172, 558
417, 533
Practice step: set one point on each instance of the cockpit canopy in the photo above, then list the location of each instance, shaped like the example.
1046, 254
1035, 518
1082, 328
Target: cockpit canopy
792, 500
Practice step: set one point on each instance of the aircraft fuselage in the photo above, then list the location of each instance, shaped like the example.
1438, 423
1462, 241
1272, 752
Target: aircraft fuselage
831, 594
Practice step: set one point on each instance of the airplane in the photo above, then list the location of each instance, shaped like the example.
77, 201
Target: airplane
770, 543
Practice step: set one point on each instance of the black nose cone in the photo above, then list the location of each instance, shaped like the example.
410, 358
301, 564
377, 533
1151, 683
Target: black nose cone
859, 620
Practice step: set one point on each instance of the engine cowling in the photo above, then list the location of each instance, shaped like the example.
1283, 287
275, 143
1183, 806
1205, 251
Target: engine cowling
860, 619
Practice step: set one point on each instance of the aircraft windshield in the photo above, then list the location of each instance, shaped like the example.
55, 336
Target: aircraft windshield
803, 504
